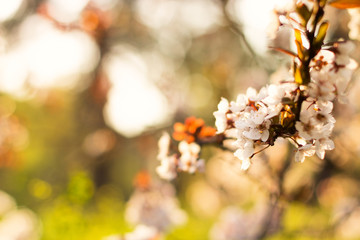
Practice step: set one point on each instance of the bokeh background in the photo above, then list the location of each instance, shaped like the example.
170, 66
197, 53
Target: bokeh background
88, 86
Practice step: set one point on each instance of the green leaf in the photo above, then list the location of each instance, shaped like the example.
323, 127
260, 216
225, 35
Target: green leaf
301, 74
304, 13
297, 75
298, 42
298, 35
321, 34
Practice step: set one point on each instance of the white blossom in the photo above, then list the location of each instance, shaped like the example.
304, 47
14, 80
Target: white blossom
232, 225
274, 95
155, 207
187, 161
255, 96
305, 129
354, 23
164, 145
331, 72
322, 113
323, 144
240, 104
258, 131
316, 121
252, 115
322, 86
244, 152
168, 163
168, 167
304, 151
189, 157
220, 115
256, 115
235, 224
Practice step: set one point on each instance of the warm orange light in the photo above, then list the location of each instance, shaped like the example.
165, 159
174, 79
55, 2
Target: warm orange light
194, 128
90, 20
207, 132
142, 180
343, 4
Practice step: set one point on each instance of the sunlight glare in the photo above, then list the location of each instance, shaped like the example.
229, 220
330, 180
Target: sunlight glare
196, 17
13, 73
8, 8
56, 56
45, 57
256, 17
134, 103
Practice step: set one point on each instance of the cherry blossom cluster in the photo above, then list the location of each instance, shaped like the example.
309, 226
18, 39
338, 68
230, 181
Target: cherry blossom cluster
331, 70
253, 119
187, 160
234, 223
155, 207
152, 209
298, 109
185, 156
153, 204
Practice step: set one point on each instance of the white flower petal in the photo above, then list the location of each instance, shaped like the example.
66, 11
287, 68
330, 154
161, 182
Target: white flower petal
299, 156
245, 164
265, 135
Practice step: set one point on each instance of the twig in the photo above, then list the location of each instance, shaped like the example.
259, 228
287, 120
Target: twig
259, 151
